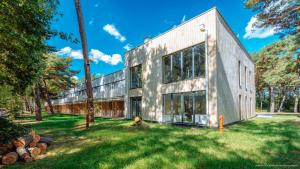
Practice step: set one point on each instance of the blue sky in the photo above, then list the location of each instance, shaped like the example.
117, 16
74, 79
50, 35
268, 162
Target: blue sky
113, 25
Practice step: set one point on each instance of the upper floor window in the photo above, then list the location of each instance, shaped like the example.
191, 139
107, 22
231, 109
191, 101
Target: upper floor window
250, 80
246, 79
136, 77
185, 64
240, 74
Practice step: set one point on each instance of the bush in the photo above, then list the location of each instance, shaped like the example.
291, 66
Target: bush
10, 130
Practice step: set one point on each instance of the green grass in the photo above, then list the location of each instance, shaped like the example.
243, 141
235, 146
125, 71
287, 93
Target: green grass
113, 143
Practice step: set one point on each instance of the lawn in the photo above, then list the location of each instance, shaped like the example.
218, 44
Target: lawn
113, 143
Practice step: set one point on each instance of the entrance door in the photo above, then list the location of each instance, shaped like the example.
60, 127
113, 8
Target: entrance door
136, 106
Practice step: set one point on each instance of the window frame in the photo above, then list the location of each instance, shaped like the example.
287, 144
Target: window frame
171, 58
181, 113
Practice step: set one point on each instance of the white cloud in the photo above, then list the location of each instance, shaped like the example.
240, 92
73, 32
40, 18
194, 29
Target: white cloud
75, 77
115, 59
76, 54
94, 54
64, 51
91, 21
127, 47
112, 30
97, 55
252, 31
69, 52
183, 19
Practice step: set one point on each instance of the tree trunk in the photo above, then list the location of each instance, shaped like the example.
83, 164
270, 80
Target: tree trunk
48, 98
38, 109
282, 100
261, 100
272, 100
88, 81
296, 95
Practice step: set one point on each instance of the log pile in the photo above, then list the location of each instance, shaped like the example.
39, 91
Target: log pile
26, 149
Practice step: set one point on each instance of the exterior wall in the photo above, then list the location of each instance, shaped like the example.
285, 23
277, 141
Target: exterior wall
101, 109
150, 56
229, 53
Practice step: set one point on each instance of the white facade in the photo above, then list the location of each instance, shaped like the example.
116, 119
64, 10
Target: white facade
224, 52
108, 87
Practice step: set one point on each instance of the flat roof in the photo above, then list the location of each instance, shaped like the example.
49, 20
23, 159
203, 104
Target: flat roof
226, 24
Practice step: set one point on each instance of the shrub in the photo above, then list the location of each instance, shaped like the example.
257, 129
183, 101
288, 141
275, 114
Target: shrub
10, 130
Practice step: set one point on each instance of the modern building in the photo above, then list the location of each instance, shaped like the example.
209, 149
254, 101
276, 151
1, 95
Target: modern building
108, 93
191, 74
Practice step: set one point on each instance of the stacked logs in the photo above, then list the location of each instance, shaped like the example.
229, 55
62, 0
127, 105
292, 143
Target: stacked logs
26, 149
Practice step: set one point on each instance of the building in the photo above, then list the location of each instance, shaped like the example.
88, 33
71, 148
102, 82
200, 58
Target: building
190, 74
108, 93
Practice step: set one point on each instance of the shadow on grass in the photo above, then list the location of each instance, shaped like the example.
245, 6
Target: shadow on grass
113, 143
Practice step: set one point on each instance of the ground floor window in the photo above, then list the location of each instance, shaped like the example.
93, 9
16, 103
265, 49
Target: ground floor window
136, 106
184, 107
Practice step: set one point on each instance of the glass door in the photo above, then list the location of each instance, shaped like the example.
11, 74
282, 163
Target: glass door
136, 106
188, 115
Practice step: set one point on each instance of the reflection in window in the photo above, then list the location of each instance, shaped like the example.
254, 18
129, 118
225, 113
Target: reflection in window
184, 64
176, 71
167, 69
184, 107
188, 107
177, 107
200, 102
188, 63
199, 59
136, 76
167, 104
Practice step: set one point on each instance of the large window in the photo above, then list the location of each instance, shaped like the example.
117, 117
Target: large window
184, 64
184, 107
167, 69
188, 63
136, 77
200, 102
176, 71
199, 57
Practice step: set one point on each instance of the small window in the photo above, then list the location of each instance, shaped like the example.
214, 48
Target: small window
250, 81
240, 74
246, 79
136, 77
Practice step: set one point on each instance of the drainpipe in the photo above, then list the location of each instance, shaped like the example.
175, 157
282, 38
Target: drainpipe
203, 29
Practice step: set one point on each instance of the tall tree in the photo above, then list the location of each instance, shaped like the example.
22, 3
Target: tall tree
284, 15
57, 77
88, 81
276, 68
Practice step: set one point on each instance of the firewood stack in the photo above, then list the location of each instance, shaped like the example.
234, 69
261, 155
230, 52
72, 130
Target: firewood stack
26, 149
